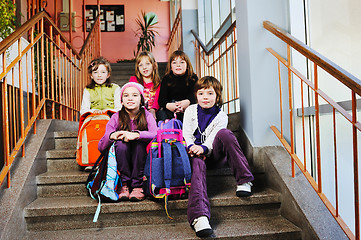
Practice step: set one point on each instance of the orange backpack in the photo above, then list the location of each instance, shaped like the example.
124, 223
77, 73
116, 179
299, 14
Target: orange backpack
91, 130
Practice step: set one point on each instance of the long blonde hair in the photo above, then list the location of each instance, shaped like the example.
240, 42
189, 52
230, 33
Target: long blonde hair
155, 73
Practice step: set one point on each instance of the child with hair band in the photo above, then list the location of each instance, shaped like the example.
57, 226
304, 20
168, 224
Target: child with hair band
146, 74
100, 95
177, 88
209, 142
132, 128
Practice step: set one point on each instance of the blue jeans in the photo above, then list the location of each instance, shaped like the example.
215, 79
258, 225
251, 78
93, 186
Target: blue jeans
225, 148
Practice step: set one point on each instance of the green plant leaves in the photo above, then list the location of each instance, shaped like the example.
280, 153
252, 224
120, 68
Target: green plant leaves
7, 18
146, 31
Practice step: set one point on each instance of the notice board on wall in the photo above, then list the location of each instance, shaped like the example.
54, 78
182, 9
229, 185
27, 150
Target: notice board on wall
111, 17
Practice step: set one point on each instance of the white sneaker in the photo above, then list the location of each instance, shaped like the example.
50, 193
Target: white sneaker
88, 168
201, 227
244, 190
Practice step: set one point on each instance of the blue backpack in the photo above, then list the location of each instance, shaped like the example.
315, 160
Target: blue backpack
104, 185
167, 169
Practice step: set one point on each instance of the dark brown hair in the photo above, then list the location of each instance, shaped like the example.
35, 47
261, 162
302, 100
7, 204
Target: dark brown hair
207, 82
140, 119
155, 73
189, 71
93, 66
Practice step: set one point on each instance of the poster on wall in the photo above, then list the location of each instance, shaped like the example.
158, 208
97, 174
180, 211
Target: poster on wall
111, 17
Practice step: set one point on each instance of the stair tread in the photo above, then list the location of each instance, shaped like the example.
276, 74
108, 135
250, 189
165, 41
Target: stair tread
52, 177
66, 134
260, 228
59, 177
86, 205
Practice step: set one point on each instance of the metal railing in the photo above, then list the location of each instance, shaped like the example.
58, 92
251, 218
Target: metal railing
175, 39
221, 62
311, 85
40, 78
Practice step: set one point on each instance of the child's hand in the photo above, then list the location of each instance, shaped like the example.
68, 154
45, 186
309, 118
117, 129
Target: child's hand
97, 111
195, 150
182, 105
129, 136
172, 107
118, 135
124, 136
179, 108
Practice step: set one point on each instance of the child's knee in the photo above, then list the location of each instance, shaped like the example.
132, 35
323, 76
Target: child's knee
226, 135
120, 146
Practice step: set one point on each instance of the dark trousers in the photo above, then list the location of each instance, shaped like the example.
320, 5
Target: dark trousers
225, 148
131, 160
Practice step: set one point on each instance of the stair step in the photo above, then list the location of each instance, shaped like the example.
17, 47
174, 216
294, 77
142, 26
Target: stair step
260, 229
65, 144
58, 164
72, 183
61, 154
65, 134
60, 213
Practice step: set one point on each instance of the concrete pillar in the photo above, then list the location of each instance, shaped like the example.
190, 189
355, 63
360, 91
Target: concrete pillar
258, 74
189, 22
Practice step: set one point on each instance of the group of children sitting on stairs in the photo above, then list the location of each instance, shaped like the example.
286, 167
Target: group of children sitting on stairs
143, 101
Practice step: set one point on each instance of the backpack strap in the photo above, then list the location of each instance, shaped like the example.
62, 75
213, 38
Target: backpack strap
167, 154
186, 165
90, 176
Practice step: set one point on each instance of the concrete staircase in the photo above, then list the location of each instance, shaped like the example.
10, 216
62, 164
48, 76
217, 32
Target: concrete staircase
122, 71
63, 209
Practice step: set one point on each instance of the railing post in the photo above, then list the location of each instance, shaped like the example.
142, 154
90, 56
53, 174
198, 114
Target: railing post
33, 74
318, 145
355, 166
5, 122
52, 59
280, 87
290, 99
42, 65
21, 98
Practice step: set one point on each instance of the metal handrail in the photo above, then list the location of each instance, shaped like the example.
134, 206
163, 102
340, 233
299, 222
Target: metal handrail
342, 76
220, 61
44, 79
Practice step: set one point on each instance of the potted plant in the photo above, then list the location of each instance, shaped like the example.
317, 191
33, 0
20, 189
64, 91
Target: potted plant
146, 31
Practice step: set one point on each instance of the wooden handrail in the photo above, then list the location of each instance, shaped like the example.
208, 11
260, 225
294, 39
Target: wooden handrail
336, 71
12, 38
207, 52
175, 25
317, 94
56, 74
88, 37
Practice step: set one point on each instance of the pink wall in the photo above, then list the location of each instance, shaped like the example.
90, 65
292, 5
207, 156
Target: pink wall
120, 45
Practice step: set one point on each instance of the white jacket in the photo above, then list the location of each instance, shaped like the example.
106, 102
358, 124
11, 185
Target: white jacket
190, 125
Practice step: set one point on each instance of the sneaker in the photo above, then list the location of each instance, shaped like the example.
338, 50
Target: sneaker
88, 168
137, 195
201, 227
244, 190
124, 193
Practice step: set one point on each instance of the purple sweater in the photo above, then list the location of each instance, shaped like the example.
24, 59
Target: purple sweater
205, 117
113, 125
